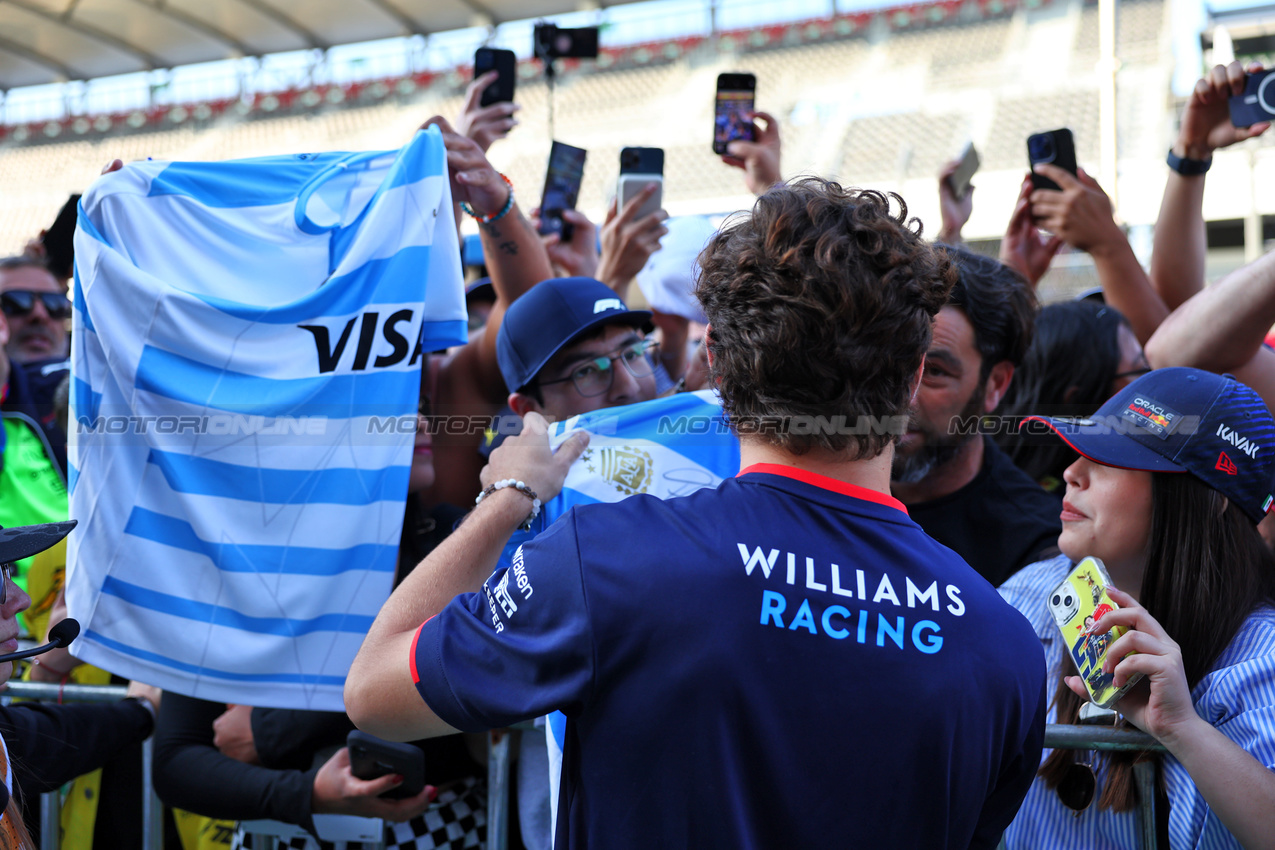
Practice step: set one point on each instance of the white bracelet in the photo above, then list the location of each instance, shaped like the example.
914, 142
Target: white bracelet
521, 488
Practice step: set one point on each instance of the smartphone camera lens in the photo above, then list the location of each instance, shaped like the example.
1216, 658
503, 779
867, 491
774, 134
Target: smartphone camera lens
1056, 601
1042, 149
629, 159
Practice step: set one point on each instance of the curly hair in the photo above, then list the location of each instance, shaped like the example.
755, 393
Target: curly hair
821, 305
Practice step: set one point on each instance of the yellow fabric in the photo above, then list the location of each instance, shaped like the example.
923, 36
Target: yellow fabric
45, 578
79, 811
200, 833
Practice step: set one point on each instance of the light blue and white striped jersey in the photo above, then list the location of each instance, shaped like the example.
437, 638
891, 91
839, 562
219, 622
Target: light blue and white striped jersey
246, 361
667, 447
1237, 697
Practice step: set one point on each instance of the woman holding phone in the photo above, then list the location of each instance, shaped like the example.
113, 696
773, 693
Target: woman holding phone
1175, 472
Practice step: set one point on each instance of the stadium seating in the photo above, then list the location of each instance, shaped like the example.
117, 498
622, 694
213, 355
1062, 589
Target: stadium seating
879, 98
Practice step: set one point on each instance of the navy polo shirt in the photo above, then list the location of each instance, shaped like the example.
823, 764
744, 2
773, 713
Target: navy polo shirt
785, 661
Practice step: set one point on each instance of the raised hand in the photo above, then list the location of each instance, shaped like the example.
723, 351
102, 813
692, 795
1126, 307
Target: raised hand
1206, 121
527, 457
578, 256
1160, 705
955, 211
485, 124
759, 159
1024, 248
473, 179
1080, 214
628, 242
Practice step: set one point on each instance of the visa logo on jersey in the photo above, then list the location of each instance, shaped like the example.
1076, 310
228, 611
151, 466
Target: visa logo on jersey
372, 329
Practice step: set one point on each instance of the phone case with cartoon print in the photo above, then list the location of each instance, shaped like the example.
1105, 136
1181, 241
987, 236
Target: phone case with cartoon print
1076, 605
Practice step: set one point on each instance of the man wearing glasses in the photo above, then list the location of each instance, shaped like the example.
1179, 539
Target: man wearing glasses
36, 309
32, 365
570, 346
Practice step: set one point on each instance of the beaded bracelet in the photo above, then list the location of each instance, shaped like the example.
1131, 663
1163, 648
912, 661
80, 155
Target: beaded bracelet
488, 219
521, 488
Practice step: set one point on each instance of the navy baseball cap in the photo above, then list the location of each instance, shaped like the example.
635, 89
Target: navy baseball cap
481, 289
1184, 420
552, 315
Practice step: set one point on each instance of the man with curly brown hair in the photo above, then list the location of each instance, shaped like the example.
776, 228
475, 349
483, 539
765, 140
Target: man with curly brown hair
784, 661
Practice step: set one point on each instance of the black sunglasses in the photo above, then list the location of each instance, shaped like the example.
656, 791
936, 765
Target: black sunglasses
1133, 373
1078, 785
19, 302
6, 576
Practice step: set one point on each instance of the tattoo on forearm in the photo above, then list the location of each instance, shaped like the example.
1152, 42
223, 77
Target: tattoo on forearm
510, 247
490, 228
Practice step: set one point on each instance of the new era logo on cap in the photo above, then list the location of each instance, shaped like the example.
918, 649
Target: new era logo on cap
1227, 465
604, 304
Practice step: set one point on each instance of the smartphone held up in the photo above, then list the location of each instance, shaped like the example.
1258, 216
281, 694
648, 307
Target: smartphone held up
562, 189
504, 63
1256, 104
732, 111
1056, 147
640, 168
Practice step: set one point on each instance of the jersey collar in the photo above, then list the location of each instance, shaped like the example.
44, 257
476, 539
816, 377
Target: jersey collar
825, 483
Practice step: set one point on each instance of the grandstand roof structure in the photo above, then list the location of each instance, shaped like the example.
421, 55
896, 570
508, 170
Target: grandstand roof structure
49, 41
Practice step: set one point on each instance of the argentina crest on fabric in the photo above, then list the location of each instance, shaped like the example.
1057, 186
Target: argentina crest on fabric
246, 368
667, 447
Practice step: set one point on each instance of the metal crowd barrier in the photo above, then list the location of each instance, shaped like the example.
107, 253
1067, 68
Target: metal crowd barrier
1057, 736
51, 803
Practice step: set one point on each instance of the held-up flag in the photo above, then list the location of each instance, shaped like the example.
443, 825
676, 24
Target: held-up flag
246, 362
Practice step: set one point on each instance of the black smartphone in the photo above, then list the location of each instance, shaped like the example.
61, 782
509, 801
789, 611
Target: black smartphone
562, 188
505, 64
1257, 102
639, 168
1057, 147
59, 239
372, 757
736, 94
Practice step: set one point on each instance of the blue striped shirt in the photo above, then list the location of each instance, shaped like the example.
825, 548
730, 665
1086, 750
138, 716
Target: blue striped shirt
1237, 697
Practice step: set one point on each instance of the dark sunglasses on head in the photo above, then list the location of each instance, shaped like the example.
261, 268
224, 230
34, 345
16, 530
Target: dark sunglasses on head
20, 302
